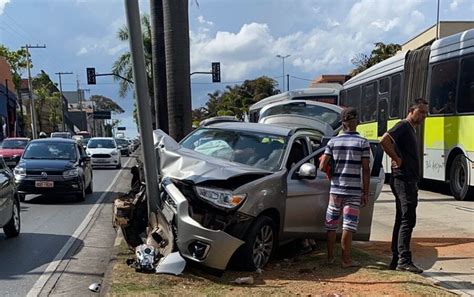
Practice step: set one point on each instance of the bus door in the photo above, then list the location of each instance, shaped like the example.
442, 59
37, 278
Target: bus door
382, 106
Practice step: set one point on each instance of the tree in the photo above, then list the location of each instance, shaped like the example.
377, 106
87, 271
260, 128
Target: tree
106, 104
47, 103
176, 27
381, 52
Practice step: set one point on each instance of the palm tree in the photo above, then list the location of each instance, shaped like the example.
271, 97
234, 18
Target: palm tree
176, 25
159, 64
123, 65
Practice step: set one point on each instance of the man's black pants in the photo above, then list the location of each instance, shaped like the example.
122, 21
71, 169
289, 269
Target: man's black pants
406, 200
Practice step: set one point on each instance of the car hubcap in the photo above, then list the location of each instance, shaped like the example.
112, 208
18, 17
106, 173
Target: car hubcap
263, 246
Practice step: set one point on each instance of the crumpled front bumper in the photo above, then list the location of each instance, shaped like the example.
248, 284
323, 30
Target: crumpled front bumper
212, 248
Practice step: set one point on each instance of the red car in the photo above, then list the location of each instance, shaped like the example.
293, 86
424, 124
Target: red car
12, 149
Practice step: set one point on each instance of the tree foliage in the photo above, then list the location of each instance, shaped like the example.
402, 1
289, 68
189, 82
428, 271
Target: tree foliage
17, 61
381, 52
47, 103
235, 100
106, 104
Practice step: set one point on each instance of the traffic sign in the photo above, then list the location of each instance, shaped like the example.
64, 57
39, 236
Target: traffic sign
101, 115
90, 76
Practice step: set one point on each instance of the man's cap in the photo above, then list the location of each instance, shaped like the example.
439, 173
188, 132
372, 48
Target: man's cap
349, 113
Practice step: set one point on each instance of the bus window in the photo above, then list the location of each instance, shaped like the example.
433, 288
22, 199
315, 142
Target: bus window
384, 85
353, 99
395, 96
466, 86
369, 102
342, 98
444, 78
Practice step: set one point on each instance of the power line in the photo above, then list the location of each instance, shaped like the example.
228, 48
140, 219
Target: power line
306, 79
18, 25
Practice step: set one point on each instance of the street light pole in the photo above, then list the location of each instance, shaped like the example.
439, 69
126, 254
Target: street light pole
61, 97
283, 61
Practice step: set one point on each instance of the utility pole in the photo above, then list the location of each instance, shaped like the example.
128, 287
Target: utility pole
61, 97
283, 61
30, 88
437, 22
142, 96
287, 82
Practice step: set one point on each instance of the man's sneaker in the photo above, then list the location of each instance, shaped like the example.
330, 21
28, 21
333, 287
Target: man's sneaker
393, 265
410, 267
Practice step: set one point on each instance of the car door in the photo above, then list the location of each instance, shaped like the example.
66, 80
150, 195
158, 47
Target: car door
85, 164
300, 201
6, 193
313, 194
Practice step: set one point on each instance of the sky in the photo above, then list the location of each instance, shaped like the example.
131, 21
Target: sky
321, 37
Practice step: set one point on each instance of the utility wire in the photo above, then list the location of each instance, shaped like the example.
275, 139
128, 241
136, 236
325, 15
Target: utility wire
300, 78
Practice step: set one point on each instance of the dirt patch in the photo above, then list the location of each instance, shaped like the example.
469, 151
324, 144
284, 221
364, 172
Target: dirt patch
303, 275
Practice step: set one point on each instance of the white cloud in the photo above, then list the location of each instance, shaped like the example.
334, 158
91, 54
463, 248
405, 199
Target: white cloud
201, 20
82, 51
454, 5
2, 5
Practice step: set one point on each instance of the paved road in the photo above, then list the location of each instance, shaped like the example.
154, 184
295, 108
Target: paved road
47, 224
443, 239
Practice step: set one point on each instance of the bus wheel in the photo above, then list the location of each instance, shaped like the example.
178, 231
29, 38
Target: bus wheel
458, 179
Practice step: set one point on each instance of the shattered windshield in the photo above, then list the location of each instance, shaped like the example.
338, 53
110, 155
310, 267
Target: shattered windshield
264, 151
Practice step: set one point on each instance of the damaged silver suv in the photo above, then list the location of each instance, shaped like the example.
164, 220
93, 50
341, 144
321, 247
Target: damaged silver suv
239, 190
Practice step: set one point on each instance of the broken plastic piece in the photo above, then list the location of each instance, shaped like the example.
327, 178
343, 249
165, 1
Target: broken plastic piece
146, 257
95, 287
171, 264
248, 280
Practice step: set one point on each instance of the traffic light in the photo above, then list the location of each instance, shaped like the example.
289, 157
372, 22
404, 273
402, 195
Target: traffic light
91, 76
216, 72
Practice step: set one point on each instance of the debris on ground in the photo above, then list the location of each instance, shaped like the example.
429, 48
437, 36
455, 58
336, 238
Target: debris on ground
146, 258
171, 264
95, 287
248, 280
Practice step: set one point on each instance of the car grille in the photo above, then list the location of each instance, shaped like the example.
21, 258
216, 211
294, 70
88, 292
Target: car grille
37, 172
101, 156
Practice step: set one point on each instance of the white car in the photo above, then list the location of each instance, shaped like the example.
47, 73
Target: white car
104, 151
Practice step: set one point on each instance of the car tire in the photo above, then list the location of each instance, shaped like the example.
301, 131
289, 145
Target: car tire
458, 179
22, 197
81, 196
12, 228
260, 243
90, 188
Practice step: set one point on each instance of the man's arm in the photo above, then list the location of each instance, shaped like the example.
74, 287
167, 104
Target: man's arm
387, 145
324, 162
365, 180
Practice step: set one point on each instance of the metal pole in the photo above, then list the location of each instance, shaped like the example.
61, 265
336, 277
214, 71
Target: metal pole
437, 22
61, 98
30, 89
283, 62
287, 82
142, 96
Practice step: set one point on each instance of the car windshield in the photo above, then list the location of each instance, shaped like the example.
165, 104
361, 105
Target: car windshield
264, 151
14, 144
50, 151
121, 142
101, 143
322, 113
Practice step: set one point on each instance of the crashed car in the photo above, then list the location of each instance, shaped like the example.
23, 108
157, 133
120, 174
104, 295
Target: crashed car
236, 190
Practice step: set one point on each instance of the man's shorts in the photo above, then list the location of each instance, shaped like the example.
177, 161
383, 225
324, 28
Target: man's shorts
350, 205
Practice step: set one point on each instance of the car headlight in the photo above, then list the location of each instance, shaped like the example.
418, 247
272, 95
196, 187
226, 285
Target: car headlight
71, 173
221, 198
20, 171
114, 153
88, 153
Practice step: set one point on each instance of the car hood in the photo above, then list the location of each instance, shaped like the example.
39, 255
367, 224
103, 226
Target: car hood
46, 164
100, 150
299, 121
11, 152
185, 164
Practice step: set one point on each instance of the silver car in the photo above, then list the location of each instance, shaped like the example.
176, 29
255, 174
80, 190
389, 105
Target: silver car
239, 190
9, 203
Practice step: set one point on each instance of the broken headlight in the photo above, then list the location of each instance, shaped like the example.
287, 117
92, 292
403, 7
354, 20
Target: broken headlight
220, 198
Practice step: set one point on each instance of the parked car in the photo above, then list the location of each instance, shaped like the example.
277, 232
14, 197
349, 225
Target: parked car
104, 151
123, 146
54, 166
246, 188
67, 135
9, 203
12, 149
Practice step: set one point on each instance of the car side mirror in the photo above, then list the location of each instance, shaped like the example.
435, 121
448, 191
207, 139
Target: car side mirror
307, 171
86, 158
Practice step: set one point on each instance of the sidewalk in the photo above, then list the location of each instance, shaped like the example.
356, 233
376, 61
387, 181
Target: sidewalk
92, 257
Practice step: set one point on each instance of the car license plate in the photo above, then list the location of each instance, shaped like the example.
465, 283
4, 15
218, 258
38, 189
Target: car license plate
101, 161
44, 184
11, 163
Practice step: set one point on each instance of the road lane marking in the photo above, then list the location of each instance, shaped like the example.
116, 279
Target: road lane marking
51, 269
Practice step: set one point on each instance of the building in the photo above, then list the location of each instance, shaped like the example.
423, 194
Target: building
8, 102
330, 78
427, 37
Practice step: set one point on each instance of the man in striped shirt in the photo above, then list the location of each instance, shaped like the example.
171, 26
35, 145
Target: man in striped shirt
350, 153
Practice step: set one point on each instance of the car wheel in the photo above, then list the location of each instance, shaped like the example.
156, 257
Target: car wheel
12, 228
90, 188
458, 179
259, 245
22, 197
81, 196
